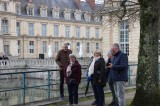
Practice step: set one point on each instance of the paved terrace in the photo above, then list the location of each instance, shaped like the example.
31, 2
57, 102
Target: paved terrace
86, 101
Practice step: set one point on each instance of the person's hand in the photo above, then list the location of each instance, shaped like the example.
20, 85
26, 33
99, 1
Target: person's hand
110, 65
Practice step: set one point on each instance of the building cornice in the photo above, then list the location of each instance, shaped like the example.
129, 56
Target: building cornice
59, 20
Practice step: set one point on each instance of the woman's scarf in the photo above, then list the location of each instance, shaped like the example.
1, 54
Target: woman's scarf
69, 71
91, 67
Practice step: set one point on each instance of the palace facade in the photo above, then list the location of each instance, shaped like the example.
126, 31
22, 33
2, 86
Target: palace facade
29, 27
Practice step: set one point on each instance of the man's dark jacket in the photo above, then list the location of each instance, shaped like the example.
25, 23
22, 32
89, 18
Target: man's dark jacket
62, 58
119, 70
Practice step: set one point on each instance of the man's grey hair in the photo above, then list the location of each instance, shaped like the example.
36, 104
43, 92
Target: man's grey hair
115, 45
65, 44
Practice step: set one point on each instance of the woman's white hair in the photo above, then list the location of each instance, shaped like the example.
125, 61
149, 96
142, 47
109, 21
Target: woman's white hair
98, 52
72, 56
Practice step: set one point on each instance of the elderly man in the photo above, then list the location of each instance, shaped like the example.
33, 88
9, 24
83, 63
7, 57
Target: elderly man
62, 60
119, 73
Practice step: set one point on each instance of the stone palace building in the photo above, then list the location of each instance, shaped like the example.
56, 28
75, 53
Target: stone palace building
28, 27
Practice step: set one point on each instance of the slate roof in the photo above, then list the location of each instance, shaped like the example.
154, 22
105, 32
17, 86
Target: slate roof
62, 4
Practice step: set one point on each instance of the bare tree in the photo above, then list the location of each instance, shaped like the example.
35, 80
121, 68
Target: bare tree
147, 11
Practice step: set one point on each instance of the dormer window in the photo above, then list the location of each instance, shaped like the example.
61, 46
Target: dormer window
4, 6
67, 14
43, 11
18, 9
78, 15
55, 12
30, 10
87, 16
96, 19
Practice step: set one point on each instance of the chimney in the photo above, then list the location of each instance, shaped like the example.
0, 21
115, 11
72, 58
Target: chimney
91, 3
30, 1
78, 3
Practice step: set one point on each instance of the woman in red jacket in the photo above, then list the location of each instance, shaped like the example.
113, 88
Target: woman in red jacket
73, 79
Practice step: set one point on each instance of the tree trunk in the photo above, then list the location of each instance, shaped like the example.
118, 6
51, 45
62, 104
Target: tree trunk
147, 85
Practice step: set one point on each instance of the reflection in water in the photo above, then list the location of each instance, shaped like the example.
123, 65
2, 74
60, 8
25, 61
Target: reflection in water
32, 94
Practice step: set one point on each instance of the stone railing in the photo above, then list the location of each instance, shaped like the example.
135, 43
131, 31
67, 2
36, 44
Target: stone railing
34, 63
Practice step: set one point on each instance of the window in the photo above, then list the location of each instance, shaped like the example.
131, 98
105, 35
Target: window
5, 26
56, 45
5, 6
78, 47
96, 19
97, 46
78, 32
97, 33
78, 16
56, 30
31, 29
56, 14
44, 12
19, 46
6, 50
18, 9
18, 28
87, 47
44, 47
124, 36
87, 16
67, 32
87, 32
44, 30
30, 11
67, 15
31, 47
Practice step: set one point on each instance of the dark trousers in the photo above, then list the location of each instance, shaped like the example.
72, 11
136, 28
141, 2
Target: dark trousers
61, 87
111, 87
73, 93
99, 95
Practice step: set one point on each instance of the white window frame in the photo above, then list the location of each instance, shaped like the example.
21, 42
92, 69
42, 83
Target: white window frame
56, 30
67, 31
18, 9
19, 46
30, 30
78, 32
88, 32
43, 12
55, 13
97, 46
3, 6
18, 29
78, 47
5, 26
31, 46
30, 10
56, 47
67, 15
44, 47
97, 33
44, 29
124, 36
87, 47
